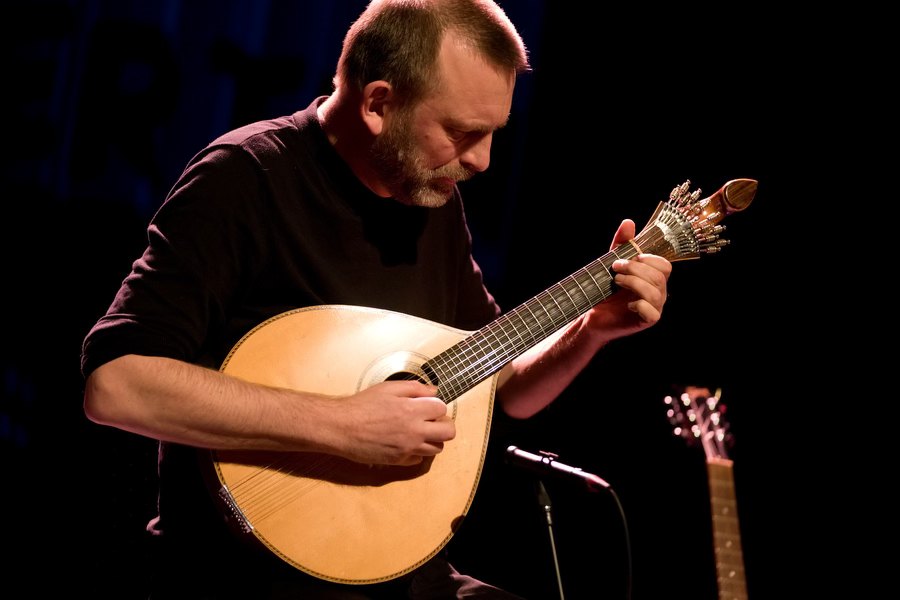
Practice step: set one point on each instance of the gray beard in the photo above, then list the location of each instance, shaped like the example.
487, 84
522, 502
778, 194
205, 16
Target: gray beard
400, 166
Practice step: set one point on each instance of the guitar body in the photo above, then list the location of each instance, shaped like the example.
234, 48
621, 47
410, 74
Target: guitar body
334, 518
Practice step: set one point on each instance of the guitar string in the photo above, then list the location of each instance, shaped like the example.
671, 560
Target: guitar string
564, 303
471, 371
270, 488
652, 240
514, 346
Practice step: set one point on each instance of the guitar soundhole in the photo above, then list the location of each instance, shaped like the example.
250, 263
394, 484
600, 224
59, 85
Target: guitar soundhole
398, 366
408, 376
404, 366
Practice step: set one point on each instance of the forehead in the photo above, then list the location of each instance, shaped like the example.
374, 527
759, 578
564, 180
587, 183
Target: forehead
470, 93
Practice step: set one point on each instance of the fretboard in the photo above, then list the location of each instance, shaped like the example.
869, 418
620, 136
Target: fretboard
487, 350
726, 530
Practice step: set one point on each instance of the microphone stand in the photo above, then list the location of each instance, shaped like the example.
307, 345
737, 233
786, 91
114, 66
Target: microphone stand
545, 463
544, 501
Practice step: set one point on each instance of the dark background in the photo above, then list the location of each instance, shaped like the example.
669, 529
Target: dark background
106, 102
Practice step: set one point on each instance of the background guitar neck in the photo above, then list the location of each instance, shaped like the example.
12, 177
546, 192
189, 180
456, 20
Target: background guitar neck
732, 584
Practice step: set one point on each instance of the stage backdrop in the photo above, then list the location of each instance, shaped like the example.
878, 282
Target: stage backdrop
109, 101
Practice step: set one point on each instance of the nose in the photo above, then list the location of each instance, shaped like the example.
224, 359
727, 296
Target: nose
477, 156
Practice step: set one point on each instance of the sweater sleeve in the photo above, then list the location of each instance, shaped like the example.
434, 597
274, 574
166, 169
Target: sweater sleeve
203, 243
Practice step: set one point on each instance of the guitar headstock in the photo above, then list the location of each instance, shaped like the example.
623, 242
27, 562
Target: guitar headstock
699, 417
687, 226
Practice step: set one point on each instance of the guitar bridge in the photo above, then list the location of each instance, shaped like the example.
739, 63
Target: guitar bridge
233, 515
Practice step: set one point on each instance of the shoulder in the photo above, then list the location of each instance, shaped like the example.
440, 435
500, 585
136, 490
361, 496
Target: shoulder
272, 136
259, 137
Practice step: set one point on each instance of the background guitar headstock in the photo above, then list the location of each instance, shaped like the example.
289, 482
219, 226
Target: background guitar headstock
699, 417
696, 416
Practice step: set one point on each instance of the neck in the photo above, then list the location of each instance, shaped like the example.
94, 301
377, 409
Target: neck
350, 138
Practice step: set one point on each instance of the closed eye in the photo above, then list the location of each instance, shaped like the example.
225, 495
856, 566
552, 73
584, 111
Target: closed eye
457, 135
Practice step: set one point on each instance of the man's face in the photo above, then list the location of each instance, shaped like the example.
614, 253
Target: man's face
403, 166
426, 149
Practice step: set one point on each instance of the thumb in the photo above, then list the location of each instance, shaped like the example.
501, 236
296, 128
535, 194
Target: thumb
624, 233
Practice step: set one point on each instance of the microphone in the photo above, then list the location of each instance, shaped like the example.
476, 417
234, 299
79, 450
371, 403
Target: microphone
546, 463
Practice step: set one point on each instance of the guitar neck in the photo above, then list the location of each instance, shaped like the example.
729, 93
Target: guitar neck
682, 228
487, 350
732, 584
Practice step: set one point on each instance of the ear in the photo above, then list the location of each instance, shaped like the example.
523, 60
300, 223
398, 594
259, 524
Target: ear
376, 98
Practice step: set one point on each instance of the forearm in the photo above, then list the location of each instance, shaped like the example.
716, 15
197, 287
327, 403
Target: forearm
532, 381
178, 402
536, 378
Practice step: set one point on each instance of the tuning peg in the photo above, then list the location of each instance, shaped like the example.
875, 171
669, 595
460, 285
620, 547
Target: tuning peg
729, 440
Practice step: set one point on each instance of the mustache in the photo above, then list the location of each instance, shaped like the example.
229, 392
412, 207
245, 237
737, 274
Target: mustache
456, 173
